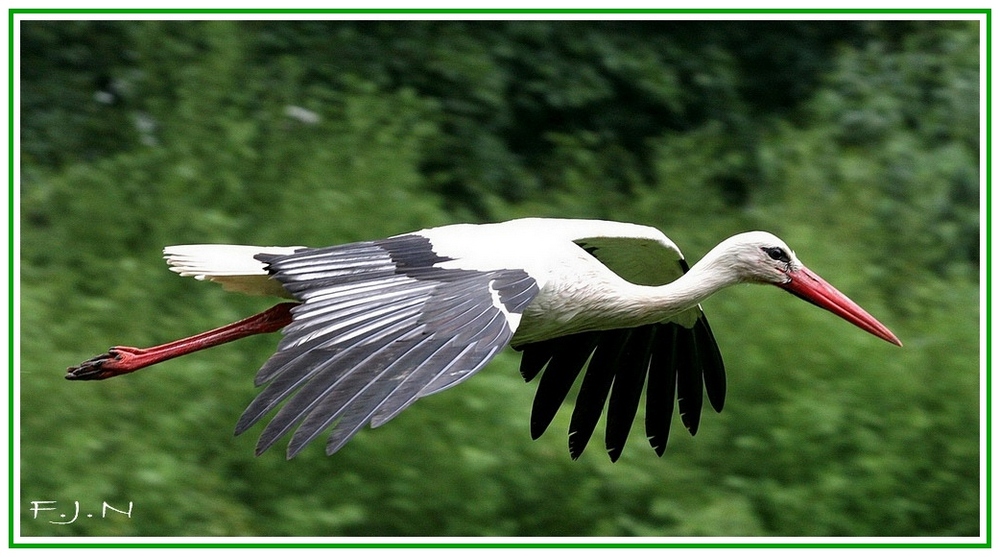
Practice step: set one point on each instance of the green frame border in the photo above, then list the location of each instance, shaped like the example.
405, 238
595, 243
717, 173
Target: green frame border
987, 151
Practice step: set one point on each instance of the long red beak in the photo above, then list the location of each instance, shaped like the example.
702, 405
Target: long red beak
810, 287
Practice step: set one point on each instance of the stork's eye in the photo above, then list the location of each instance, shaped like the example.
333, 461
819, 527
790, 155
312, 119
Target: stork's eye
777, 254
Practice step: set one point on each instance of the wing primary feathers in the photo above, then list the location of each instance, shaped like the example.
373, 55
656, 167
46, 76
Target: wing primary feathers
672, 361
348, 398
626, 390
534, 357
713, 369
567, 358
661, 386
689, 380
594, 390
327, 377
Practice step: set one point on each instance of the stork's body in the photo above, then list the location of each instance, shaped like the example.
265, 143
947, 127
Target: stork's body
382, 323
576, 291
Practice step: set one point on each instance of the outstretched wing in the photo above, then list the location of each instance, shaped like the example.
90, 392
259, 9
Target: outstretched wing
379, 327
678, 357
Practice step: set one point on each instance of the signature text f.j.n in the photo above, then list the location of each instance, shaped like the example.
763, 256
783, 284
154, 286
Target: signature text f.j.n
51, 507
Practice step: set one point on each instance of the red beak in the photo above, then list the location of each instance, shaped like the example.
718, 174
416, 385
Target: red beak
807, 285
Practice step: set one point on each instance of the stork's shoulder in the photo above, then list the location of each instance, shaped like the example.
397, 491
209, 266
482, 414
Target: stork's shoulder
538, 229
575, 230
637, 252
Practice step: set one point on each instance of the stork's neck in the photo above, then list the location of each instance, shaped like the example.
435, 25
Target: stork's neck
611, 302
705, 278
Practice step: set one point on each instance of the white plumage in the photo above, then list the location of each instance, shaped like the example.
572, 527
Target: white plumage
383, 323
234, 267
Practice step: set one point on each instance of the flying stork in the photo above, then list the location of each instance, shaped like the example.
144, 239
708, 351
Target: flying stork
376, 325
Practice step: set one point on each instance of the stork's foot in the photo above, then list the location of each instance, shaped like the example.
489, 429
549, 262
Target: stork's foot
118, 360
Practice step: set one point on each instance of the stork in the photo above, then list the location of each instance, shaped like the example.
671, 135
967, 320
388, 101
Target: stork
376, 325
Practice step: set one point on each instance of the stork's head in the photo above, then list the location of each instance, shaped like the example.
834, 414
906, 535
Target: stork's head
759, 257
762, 257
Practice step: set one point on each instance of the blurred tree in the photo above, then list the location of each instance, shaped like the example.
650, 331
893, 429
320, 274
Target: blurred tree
856, 141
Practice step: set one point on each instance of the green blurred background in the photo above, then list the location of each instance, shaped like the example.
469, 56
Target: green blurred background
856, 142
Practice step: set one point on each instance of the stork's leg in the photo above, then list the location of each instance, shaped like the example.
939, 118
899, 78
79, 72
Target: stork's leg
120, 360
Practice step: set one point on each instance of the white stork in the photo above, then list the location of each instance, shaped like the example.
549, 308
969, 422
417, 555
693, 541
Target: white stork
378, 324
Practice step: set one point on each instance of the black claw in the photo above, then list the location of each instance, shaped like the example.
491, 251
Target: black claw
92, 369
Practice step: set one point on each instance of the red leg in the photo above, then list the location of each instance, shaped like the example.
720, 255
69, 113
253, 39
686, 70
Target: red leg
120, 360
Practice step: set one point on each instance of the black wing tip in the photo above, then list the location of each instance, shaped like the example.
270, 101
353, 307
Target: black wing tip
696, 371
537, 429
576, 448
713, 366
691, 422
658, 444
614, 453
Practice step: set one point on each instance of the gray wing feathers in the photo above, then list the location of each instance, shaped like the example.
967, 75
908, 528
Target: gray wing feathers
380, 327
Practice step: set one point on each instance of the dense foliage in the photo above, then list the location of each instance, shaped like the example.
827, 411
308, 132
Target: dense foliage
857, 142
